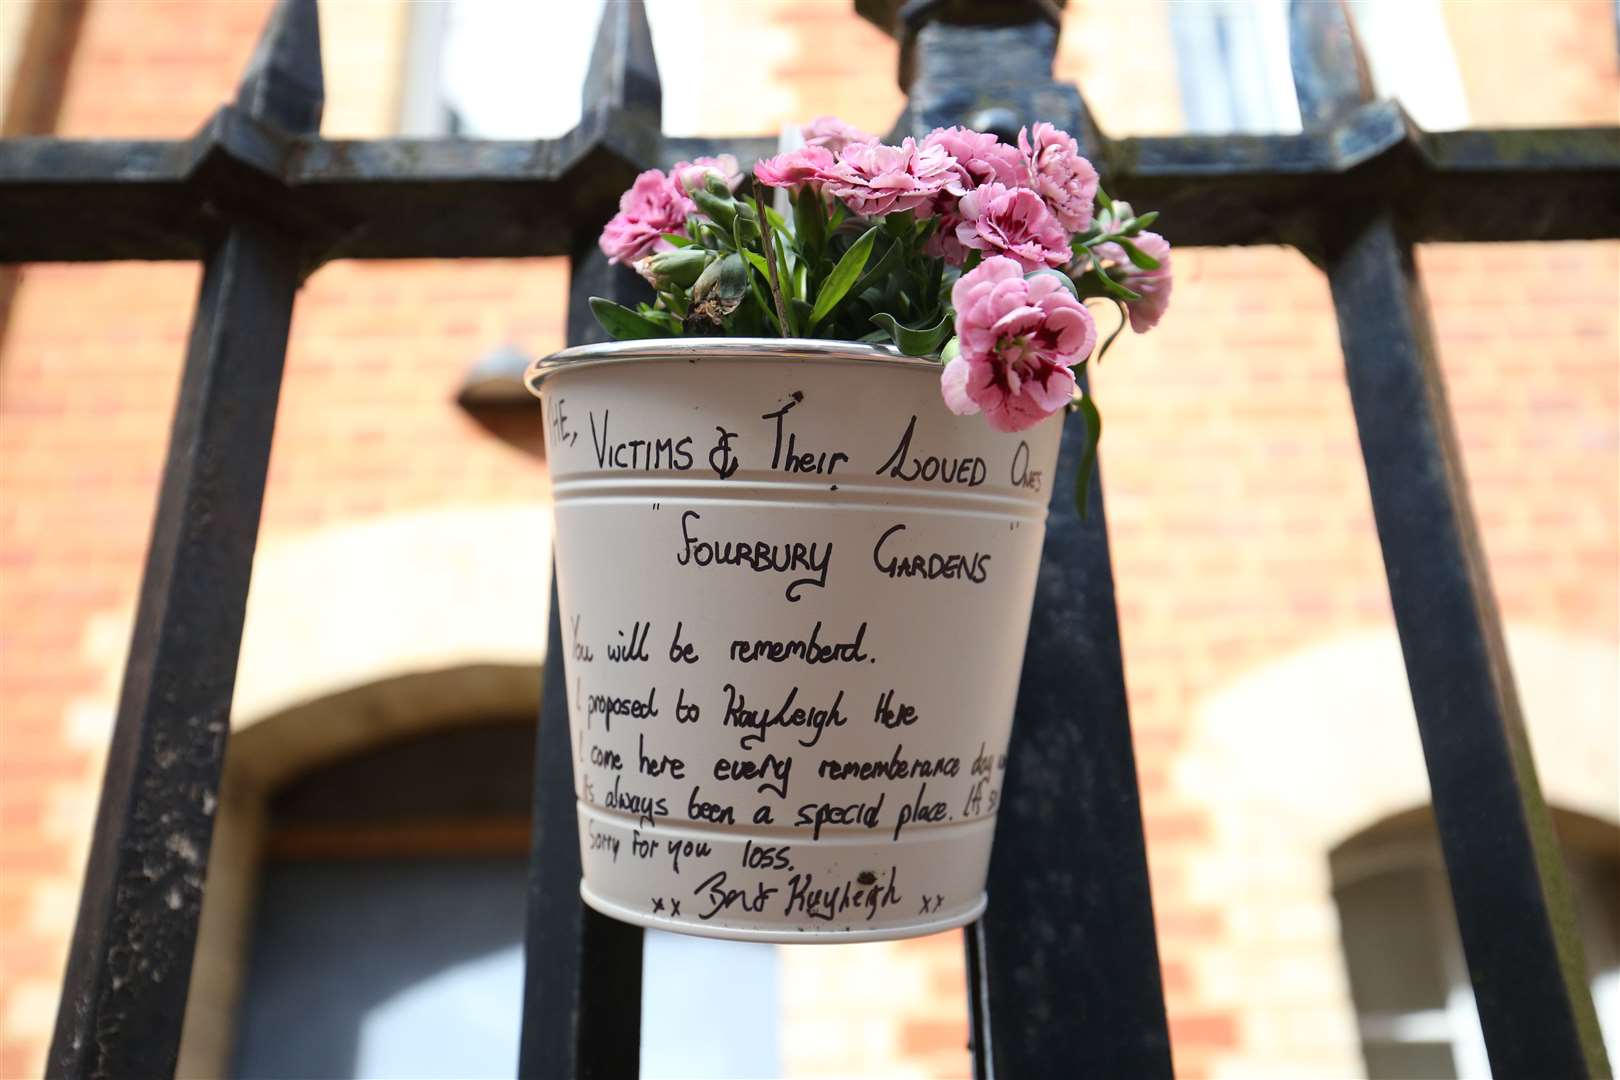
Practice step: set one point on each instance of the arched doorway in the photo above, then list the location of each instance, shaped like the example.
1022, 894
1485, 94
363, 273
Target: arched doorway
1408, 978
364, 914
389, 926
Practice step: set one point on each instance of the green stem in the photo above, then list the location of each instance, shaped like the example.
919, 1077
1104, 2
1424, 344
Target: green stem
770, 266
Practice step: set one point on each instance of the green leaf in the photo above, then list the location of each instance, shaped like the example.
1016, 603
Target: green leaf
624, 324
936, 281
915, 341
1103, 200
666, 319
972, 260
676, 299
679, 239
1124, 317
757, 261
799, 312
1137, 256
1110, 287
782, 269
761, 301
776, 269
876, 271
810, 223
744, 230
1142, 222
842, 277
1082, 482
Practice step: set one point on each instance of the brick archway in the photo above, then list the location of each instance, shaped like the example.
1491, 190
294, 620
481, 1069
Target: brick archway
356, 637
1288, 761
276, 749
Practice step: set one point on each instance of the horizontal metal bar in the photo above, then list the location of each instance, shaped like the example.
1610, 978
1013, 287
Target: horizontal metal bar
75, 200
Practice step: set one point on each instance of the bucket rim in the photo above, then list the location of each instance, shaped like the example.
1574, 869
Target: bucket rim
692, 349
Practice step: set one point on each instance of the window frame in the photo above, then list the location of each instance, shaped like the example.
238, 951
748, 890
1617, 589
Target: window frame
1409, 844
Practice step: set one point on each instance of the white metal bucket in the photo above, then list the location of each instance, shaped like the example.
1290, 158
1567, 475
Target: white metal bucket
794, 591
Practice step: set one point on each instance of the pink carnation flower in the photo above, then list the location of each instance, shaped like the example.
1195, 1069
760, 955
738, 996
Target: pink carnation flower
942, 242
832, 134
805, 165
999, 220
981, 158
1019, 337
654, 207
1154, 285
873, 180
1065, 180
690, 174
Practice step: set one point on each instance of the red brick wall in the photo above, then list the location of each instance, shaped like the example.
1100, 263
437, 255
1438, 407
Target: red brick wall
1238, 509
91, 357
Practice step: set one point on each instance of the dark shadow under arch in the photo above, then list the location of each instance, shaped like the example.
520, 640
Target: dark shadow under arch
423, 765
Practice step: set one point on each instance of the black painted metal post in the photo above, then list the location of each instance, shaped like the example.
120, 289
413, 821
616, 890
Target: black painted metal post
1507, 880
129, 963
1513, 905
582, 975
1071, 954
1063, 969
582, 980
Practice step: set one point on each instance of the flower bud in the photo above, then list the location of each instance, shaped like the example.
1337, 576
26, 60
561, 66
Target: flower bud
721, 208
718, 291
680, 267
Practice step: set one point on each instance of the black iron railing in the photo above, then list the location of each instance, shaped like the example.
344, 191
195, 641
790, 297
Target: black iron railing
1063, 971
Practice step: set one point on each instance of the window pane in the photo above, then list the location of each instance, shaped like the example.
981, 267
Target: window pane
710, 1008
1232, 62
1389, 944
1409, 1061
385, 968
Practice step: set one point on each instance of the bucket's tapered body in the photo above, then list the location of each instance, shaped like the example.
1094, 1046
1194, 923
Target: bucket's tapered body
795, 593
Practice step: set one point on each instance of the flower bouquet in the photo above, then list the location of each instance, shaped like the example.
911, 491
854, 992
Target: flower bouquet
958, 247
794, 575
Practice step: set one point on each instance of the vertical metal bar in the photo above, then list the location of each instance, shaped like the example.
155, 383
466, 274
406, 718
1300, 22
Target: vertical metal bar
1063, 969
1330, 73
1070, 952
582, 975
582, 970
129, 963
980, 1036
1513, 905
